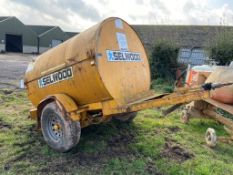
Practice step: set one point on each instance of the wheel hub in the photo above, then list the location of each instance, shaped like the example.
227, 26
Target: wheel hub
55, 127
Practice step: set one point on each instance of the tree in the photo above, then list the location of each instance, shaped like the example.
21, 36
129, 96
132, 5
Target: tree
163, 60
222, 49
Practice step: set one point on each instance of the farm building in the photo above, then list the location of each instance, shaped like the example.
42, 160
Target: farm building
71, 34
16, 37
48, 36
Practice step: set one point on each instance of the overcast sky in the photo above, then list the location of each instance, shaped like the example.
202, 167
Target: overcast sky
78, 15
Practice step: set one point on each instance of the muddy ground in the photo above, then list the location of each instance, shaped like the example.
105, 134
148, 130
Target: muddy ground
151, 144
13, 67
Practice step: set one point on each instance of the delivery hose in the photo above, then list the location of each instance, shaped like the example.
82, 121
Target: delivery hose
212, 86
206, 87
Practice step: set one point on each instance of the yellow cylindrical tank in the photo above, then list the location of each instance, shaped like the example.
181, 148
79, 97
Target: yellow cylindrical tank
105, 62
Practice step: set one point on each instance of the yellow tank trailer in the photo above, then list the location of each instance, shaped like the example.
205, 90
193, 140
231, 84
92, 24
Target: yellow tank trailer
99, 68
101, 73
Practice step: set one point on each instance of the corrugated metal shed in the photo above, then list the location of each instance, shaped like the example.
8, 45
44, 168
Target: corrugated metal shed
3, 18
48, 36
39, 29
16, 37
71, 34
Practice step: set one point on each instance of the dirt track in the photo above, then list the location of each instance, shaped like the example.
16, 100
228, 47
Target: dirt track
13, 67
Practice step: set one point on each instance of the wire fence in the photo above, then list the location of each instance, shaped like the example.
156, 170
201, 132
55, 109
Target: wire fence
194, 56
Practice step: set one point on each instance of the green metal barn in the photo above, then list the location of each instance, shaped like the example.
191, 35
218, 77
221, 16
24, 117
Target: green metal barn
48, 36
16, 37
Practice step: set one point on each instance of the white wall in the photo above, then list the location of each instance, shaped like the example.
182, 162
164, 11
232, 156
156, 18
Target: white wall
2, 47
29, 49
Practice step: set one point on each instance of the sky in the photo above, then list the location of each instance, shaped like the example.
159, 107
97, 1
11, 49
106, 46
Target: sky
78, 15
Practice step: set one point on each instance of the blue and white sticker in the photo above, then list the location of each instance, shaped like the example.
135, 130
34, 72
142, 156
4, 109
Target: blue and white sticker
119, 55
122, 41
55, 77
119, 23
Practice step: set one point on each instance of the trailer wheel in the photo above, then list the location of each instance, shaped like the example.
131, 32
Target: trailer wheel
127, 117
59, 131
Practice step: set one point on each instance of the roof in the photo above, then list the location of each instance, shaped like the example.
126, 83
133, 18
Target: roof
71, 34
40, 29
2, 18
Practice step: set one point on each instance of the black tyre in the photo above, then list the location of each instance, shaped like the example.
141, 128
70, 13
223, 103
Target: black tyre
59, 132
126, 117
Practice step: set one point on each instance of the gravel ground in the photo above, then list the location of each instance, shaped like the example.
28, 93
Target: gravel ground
13, 67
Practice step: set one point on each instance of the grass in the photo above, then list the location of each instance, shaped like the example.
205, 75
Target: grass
151, 144
162, 85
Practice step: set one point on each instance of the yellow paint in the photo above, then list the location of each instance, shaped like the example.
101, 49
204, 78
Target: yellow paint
69, 105
75, 116
33, 114
153, 102
66, 102
95, 79
98, 84
92, 83
95, 106
53, 69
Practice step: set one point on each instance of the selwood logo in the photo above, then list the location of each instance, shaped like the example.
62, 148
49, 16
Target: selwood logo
55, 77
116, 55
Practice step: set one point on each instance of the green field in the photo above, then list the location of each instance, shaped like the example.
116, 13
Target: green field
151, 144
